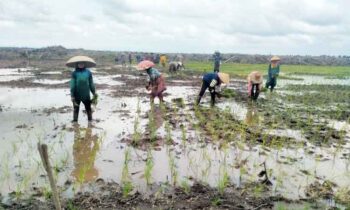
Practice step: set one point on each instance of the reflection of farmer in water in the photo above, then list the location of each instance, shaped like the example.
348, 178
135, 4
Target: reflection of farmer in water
157, 116
85, 148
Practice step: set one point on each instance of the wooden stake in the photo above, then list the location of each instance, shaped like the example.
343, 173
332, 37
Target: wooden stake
45, 159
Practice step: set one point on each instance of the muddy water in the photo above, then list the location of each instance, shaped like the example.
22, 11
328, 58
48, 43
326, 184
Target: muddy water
15, 74
85, 152
313, 79
50, 81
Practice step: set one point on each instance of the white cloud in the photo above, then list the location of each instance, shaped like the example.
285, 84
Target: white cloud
250, 26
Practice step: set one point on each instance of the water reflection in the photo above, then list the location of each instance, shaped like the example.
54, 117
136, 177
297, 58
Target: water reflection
252, 116
157, 116
85, 148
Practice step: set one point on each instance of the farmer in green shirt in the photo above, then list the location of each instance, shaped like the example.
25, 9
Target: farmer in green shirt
273, 72
81, 85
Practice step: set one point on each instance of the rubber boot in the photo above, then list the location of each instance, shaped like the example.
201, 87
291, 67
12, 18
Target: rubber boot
89, 114
212, 99
75, 114
198, 100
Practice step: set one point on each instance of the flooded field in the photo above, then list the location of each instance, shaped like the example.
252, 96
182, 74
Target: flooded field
292, 147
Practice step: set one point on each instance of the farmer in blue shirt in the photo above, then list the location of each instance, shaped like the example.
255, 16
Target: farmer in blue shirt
81, 85
273, 72
217, 61
212, 81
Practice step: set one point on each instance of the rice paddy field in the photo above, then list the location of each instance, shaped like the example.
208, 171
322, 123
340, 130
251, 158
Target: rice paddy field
288, 150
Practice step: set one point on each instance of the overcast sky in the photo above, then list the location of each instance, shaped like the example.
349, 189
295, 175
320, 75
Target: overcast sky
312, 27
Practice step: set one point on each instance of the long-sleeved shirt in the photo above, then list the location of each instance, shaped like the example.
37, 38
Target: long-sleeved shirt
273, 72
81, 84
153, 74
212, 79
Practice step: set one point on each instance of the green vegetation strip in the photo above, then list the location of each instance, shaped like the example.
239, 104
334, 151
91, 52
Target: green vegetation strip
243, 70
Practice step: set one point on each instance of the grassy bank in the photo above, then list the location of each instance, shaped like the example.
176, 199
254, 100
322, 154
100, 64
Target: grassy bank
244, 69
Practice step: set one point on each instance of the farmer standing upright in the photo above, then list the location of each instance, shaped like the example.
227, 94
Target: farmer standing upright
211, 81
217, 61
156, 82
82, 84
163, 60
273, 72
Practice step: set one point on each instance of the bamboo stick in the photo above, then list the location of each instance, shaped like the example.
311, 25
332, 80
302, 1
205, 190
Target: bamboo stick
45, 159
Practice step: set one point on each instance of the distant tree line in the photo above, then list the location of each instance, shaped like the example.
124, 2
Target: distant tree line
61, 53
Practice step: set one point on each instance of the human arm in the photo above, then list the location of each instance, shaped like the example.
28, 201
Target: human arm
72, 86
91, 84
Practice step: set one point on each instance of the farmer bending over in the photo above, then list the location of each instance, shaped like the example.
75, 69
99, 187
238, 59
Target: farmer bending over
273, 72
212, 81
175, 66
156, 80
81, 84
254, 84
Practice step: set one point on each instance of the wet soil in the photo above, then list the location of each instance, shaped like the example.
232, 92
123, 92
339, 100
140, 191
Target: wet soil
194, 130
198, 196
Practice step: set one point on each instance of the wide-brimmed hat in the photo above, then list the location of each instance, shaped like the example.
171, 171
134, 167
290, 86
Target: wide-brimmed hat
275, 58
146, 64
89, 62
255, 77
225, 78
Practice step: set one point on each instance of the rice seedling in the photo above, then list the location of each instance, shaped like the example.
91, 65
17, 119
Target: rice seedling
14, 148
47, 192
152, 125
70, 205
149, 166
6, 167
280, 206
136, 136
168, 138
224, 178
173, 168
343, 196
216, 201
127, 186
207, 166
183, 135
82, 173
185, 185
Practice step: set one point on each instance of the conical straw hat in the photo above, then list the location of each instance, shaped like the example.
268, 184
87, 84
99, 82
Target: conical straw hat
255, 77
89, 62
275, 58
225, 78
146, 64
